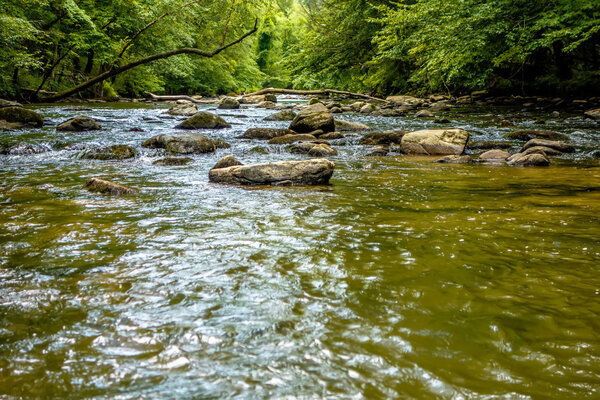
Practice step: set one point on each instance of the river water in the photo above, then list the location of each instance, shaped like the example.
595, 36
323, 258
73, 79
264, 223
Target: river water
402, 279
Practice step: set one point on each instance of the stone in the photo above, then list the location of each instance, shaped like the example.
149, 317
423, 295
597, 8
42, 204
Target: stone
265, 133
306, 172
440, 106
267, 104
259, 150
21, 116
489, 145
494, 155
312, 149
203, 120
285, 115
251, 99
368, 109
22, 149
454, 159
331, 136
288, 139
192, 143
185, 109
314, 100
559, 146
405, 100
80, 123
226, 162
379, 151
528, 160
547, 151
442, 121
389, 112
173, 161
271, 97
9, 126
356, 106
336, 110
424, 114
312, 118
346, 126
229, 103
528, 134
435, 142
593, 114
107, 187
7, 103
382, 138
116, 152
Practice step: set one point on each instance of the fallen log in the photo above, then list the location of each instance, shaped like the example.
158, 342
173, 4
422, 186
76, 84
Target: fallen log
315, 93
176, 97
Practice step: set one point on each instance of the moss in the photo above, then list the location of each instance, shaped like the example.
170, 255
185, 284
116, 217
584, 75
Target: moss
22, 116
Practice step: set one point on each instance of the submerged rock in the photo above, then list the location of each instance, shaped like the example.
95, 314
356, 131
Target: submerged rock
313, 118
312, 149
204, 120
285, 115
80, 123
21, 116
528, 134
287, 139
107, 187
454, 159
229, 103
192, 143
558, 146
435, 142
265, 133
173, 161
116, 152
382, 138
528, 160
307, 172
346, 126
226, 162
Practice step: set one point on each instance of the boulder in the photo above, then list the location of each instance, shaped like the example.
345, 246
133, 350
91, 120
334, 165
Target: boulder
7, 103
259, 150
593, 114
285, 115
226, 162
267, 104
368, 109
229, 103
424, 114
312, 149
185, 109
117, 152
389, 112
314, 100
558, 146
80, 123
331, 136
435, 142
251, 99
356, 106
382, 138
9, 126
107, 187
528, 134
271, 97
221, 144
547, 151
21, 117
405, 101
489, 145
307, 172
192, 143
287, 139
379, 151
22, 149
440, 106
204, 120
494, 155
265, 133
528, 160
346, 126
312, 118
454, 159
172, 161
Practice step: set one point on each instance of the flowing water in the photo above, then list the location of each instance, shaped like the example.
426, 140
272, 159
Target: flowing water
402, 279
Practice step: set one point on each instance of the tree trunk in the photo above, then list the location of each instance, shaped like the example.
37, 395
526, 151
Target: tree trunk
179, 97
315, 93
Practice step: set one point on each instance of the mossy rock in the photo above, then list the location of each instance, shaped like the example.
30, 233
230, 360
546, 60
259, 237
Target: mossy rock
221, 144
173, 161
107, 187
259, 150
204, 120
79, 124
528, 134
116, 152
21, 116
192, 143
382, 138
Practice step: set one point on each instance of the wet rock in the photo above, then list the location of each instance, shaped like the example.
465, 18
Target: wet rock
287, 139
312, 149
80, 123
265, 133
442, 121
547, 151
558, 146
307, 172
314, 100
336, 110
494, 155
440, 106
489, 145
173, 161
454, 159
221, 144
318, 133
185, 109
267, 104
424, 114
107, 187
346, 126
528, 134
136, 129
254, 99
204, 120
382, 138
192, 143
116, 152
259, 150
331, 136
271, 97
23, 149
21, 116
356, 106
405, 101
313, 118
7, 103
285, 115
229, 103
368, 109
435, 142
379, 151
528, 160
226, 162
593, 114
389, 112
9, 126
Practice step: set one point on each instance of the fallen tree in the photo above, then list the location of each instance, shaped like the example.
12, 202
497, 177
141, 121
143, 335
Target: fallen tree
315, 93
175, 97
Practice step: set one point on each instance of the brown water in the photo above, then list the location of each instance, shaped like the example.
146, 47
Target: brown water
403, 279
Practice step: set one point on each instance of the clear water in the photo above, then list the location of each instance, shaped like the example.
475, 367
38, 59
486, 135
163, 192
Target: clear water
402, 279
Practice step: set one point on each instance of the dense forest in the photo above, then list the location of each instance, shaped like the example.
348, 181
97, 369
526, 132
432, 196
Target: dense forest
376, 46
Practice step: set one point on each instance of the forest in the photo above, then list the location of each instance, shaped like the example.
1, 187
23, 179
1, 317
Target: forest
378, 47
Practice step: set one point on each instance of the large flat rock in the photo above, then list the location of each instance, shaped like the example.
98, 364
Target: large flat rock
435, 142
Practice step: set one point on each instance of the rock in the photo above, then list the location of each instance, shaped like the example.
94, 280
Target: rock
494, 155
331, 136
266, 104
192, 143
172, 161
489, 145
229, 103
9, 126
136, 129
80, 123
440, 106
254, 99
405, 101
528, 160
314, 100
107, 187
593, 114
382, 138
203, 120
312, 149
271, 97
307, 172
7, 103
435, 142
356, 106
336, 110
259, 150
312, 118
226, 162
556, 114
528, 134
559, 146
265, 133
368, 109
442, 121
547, 151
346, 126
318, 133
22, 149
117, 152
183, 101
285, 115
21, 116
379, 151
454, 159
186, 109
389, 112
424, 114
287, 139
